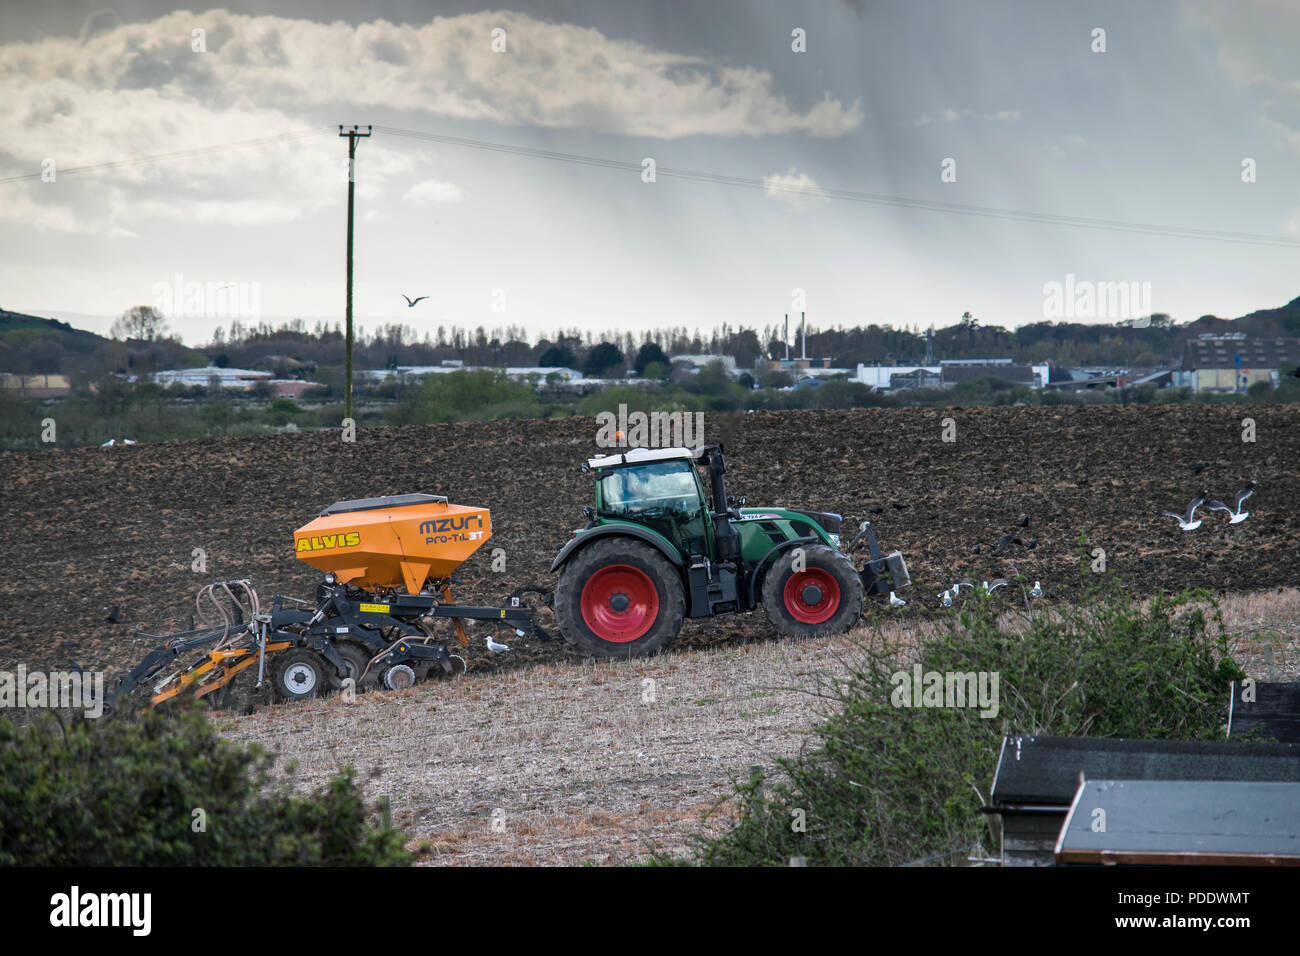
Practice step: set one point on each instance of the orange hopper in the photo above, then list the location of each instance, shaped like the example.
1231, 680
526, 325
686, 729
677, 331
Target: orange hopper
394, 541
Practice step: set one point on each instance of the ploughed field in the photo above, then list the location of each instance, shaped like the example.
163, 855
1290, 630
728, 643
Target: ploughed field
88, 530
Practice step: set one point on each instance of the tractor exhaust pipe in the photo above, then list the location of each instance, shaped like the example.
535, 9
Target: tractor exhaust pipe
726, 538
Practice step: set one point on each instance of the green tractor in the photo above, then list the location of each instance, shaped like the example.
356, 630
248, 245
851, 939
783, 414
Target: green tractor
654, 553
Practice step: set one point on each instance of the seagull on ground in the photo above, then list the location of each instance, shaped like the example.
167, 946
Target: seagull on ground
1036, 591
989, 588
1238, 516
1188, 520
896, 601
496, 648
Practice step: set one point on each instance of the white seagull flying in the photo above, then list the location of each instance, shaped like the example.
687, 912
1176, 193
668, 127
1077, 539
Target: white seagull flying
1188, 520
1238, 516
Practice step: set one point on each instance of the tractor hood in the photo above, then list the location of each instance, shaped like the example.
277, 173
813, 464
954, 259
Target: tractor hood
828, 520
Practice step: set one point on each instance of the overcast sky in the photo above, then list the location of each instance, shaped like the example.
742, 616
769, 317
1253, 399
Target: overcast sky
1154, 130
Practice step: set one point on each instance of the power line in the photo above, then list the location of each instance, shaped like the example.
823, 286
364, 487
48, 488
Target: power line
812, 192
179, 154
991, 212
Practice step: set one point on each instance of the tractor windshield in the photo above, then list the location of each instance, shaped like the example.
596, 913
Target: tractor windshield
662, 485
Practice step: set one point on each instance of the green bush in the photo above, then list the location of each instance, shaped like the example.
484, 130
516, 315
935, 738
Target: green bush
119, 792
456, 396
891, 784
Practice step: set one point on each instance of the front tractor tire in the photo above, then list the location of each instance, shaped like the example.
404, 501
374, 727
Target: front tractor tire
619, 598
825, 597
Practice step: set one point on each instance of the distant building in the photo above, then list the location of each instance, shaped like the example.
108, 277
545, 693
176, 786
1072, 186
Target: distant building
699, 361
880, 377
917, 378
954, 372
240, 379
1234, 362
290, 387
793, 365
950, 372
36, 386
519, 373
1160, 379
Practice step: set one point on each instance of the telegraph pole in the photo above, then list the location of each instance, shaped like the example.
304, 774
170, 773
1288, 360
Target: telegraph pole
353, 135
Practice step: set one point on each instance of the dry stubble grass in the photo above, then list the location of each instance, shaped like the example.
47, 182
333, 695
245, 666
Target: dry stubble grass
580, 766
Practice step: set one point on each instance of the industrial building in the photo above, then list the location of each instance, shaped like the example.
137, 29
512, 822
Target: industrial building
1234, 362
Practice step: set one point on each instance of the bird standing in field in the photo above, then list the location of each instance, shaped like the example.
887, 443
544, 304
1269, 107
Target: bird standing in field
496, 648
1005, 540
1237, 515
896, 601
410, 303
1188, 520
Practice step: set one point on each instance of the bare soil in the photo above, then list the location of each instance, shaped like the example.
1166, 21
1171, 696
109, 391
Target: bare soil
87, 530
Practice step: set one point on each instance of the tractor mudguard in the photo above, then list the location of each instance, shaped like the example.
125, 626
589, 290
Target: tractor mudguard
604, 531
779, 548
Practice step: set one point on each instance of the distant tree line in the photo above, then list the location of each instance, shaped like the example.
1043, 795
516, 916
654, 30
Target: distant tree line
141, 344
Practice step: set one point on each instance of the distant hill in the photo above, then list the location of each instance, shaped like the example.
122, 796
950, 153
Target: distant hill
11, 321
1287, 317
32, 345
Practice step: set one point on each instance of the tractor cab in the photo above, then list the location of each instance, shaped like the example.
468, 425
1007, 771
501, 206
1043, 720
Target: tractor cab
659, 492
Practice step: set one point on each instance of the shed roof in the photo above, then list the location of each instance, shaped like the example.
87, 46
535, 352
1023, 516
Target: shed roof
1182, 821
1045, 770
1274, 711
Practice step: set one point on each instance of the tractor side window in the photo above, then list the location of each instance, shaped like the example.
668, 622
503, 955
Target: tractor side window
663, 496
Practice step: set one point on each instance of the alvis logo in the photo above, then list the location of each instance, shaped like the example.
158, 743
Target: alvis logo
325, 542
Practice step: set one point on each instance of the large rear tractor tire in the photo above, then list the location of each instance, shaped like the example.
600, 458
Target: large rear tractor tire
825, 597
299, 675
355, 658
618, 598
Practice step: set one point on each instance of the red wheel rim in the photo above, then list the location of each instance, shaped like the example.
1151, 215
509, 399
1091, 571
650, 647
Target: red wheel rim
619, 603
812, 596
